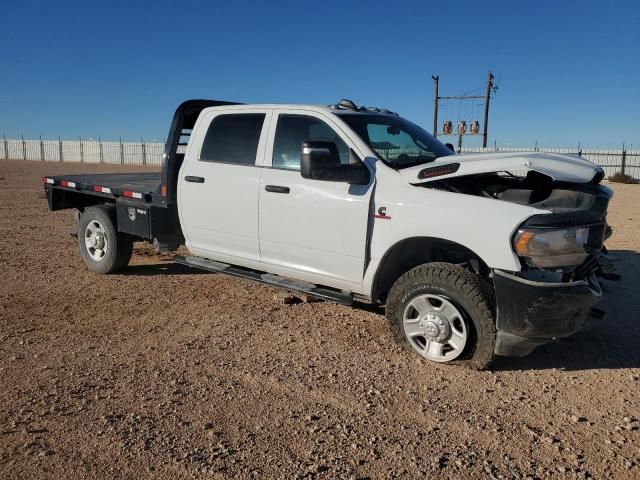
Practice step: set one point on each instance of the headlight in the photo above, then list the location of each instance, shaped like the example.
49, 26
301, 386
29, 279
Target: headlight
552, 248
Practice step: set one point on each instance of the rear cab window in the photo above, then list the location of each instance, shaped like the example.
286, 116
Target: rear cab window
233, 138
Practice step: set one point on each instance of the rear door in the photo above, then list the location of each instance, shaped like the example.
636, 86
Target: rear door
219, 184
311, 229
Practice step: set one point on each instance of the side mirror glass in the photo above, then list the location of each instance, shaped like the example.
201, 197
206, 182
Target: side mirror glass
317, 158
321, 161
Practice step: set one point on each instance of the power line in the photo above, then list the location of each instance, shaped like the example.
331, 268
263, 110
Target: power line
490, 87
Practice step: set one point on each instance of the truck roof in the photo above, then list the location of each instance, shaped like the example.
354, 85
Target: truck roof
343, 106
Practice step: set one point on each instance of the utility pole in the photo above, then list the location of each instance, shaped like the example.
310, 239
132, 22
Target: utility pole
487, 98
436, 79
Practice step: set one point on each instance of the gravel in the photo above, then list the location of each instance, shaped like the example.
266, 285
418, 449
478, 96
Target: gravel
165, 372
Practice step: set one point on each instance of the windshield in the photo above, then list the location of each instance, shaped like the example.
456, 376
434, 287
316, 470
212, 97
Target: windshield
398, 142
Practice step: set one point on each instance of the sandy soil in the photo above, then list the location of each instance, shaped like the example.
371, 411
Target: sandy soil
163, 372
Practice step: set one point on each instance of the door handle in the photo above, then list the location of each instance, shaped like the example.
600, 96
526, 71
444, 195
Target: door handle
191, 178
277, 189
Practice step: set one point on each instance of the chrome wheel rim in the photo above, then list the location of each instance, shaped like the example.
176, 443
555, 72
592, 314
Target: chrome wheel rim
435, 327
95, 240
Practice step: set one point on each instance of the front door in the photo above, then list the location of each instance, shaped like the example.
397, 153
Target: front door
219, 183
311, 229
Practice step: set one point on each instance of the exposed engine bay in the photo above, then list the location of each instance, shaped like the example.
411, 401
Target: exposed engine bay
535, 189
562, 246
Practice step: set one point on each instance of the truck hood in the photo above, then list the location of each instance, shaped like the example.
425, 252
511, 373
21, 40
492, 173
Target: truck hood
562, 168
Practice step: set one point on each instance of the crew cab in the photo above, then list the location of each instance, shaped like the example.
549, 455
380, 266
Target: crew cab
472, 256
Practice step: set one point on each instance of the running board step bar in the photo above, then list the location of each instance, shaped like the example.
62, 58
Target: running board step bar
268, 278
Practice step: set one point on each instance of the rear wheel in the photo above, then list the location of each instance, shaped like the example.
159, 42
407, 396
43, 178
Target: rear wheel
444, 313
102, 247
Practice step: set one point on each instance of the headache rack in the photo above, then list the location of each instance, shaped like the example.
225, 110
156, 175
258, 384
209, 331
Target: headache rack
184, 119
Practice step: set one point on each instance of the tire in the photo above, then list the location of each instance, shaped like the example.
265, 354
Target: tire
467, 311
117, 247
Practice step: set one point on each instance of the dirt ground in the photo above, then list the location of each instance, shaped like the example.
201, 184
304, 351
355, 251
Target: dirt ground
164, 372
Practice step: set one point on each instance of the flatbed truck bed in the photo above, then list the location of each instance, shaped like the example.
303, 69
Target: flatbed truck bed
141, 185
140, 206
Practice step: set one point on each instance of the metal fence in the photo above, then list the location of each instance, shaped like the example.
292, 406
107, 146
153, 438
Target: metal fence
611, 160
86, 151
150, 153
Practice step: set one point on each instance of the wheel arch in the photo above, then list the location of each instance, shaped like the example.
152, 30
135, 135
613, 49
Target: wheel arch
410, 252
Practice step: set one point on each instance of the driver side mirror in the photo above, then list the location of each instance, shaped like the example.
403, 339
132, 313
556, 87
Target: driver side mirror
450, 147
321, 161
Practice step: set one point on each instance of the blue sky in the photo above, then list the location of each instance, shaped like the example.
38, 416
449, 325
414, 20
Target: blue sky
568, 71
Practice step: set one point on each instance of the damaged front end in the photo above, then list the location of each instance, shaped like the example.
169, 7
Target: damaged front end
532, 313
553, 295
560, 249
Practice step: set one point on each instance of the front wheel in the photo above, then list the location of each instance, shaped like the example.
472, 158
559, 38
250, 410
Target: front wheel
102, 247
444, 313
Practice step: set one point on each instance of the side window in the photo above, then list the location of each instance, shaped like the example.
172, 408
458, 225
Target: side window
233, 138
292, 130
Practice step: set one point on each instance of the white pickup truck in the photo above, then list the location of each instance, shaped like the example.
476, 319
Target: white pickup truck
472, 255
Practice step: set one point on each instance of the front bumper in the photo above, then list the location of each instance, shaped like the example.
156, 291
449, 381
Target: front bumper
531, 313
